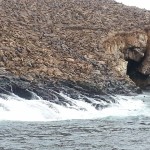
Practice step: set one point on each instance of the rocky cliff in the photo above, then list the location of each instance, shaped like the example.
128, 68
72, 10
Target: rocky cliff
92, 43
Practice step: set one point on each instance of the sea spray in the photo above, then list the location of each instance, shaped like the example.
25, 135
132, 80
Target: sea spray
15, 108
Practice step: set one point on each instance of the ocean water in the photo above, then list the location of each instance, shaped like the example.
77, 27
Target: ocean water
41, 125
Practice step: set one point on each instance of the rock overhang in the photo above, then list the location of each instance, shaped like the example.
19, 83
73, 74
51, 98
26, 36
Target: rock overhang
131, 49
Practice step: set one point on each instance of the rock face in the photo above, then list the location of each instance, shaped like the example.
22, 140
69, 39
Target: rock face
145, 67
131, 47
86, 41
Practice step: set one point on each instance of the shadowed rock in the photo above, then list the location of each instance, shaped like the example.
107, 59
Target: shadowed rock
135, 54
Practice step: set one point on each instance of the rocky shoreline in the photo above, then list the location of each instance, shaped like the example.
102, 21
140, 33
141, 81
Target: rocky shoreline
50, 90
82, 46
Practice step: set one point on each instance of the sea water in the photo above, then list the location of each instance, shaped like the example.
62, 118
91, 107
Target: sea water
42, 125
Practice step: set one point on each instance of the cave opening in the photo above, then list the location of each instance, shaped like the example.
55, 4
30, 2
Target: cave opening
133, 72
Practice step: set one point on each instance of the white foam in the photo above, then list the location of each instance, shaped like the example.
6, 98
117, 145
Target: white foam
18, 109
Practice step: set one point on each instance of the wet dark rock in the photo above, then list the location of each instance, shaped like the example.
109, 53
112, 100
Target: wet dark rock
52, 91
23, 93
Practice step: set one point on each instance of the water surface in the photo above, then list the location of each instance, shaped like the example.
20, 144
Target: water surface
122, 126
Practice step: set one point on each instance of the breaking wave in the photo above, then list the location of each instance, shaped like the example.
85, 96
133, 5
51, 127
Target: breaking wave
15, 108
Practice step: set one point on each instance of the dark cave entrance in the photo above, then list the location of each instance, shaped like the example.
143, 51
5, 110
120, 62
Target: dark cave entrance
132, 71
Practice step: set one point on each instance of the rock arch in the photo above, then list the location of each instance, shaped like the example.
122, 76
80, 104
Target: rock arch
130, 54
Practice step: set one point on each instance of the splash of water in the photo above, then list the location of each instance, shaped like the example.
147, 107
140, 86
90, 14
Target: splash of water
15, 108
